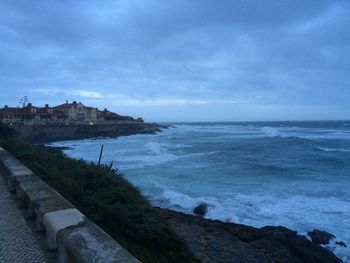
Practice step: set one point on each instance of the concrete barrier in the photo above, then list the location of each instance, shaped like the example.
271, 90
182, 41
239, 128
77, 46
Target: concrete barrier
68, 231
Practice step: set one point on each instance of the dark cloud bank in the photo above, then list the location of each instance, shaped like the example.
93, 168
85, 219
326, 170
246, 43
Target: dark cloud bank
180, 60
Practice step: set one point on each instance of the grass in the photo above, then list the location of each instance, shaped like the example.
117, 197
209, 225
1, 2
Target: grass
107, 199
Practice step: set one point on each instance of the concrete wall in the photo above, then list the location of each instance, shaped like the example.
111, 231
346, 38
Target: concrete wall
47, 133
68, 231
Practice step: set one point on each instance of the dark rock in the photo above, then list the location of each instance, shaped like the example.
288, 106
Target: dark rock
49, 133
320, 237
216, 241
340, 243
201, 209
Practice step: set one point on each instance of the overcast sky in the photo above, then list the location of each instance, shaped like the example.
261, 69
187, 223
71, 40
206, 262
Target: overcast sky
180, 60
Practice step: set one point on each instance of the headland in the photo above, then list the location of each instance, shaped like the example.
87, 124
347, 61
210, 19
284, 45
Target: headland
71, 121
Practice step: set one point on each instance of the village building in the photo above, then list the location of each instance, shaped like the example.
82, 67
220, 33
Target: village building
76, 111
31, 114
67, 113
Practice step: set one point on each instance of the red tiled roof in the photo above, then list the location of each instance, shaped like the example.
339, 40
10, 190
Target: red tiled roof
64, 106
70, 105
45, 111
58, 111
27, 111
10, 109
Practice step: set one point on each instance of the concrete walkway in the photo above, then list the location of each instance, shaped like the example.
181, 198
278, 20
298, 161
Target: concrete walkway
18, 242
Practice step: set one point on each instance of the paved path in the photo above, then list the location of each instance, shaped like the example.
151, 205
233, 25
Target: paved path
18, 242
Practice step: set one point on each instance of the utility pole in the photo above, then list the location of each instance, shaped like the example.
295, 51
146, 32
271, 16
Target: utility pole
24, 101
101, 151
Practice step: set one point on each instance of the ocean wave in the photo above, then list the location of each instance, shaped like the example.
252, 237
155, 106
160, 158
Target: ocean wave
183, 146
200, 154
340, 251
140, 161
342, 150
298, 212
214, 129
310, 134
181, 200
151, 154
230, 131
252, 209
185, 203
196, 165
273, 132
155, 147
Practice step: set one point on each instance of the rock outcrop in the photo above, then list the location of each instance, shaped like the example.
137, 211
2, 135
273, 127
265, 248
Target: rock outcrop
320, 237
216, 241
340, 243
201, 209
48, 133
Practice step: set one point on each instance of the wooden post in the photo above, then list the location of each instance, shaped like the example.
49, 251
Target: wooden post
101, 151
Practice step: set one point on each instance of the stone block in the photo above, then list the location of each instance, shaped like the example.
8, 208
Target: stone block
47, 205
22, 180
40, 199
90, 244
58, 220
12, 168
76, 237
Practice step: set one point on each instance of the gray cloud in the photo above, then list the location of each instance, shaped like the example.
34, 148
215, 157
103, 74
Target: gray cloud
225, 60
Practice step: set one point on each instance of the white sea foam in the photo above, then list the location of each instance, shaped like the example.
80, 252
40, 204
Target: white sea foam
253, 199
298, 212
272, 132
305, 133
213, 129
186, 203
183, 146
200, 154
181, 200
342, 150
151, 154
341, 135
253, 131
340, 251
155, 147
141, 161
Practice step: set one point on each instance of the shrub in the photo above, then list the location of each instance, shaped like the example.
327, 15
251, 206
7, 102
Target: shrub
108, 199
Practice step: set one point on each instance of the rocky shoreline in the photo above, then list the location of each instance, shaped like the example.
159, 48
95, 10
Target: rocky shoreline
216, 241
51, 133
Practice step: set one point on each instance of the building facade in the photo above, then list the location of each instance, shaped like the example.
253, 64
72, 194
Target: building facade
66, 113
31, 114
76, 111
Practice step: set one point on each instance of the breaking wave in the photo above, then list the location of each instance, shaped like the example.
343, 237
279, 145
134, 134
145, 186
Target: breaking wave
334, 150
300, 212
291, 174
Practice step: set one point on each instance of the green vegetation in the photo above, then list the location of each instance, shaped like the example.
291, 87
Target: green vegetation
107, 199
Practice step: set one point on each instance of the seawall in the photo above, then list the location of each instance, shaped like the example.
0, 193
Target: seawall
47, 133
67, 230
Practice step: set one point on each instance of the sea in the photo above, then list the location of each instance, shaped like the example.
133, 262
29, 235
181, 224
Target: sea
294, 174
